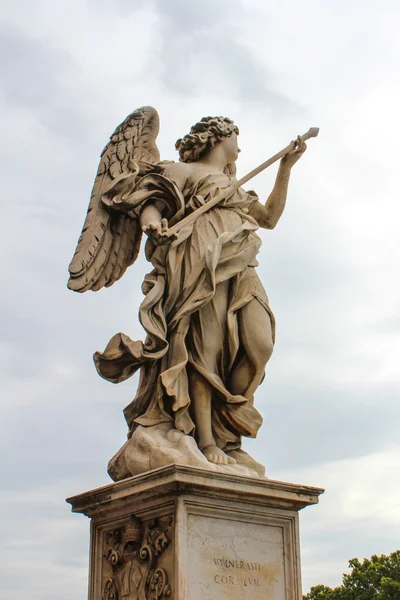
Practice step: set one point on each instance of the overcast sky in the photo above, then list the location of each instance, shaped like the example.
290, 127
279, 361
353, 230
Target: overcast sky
71, 71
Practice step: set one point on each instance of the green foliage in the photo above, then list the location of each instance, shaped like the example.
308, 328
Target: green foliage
376, 578
389, 589
320, 592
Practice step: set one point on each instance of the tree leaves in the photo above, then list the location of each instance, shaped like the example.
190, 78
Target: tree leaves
377, 578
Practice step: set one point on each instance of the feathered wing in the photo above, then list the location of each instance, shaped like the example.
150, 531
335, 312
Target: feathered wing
110, 239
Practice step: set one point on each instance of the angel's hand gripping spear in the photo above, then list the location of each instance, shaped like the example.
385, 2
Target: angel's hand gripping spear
170, 234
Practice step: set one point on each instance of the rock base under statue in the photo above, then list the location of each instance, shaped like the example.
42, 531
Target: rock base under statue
185, 533
162, 445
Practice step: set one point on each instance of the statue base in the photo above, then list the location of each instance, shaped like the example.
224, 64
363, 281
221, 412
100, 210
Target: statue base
162, 445
185, 533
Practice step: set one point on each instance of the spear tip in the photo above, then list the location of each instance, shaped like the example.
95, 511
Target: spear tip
313, 131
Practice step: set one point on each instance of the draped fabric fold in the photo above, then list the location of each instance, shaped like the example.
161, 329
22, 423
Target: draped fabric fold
210, 265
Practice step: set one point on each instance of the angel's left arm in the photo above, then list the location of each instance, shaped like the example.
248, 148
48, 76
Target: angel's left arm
152, 212
267, 215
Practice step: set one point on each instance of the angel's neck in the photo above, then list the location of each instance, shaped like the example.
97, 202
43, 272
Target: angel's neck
215, 160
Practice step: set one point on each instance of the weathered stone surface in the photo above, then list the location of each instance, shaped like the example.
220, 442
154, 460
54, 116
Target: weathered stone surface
235, 559
162, 445
190, 534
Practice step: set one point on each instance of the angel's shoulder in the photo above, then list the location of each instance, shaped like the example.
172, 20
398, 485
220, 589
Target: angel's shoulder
178, 172
178, 169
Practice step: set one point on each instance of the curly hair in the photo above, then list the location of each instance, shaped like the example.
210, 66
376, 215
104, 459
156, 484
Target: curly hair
203, 136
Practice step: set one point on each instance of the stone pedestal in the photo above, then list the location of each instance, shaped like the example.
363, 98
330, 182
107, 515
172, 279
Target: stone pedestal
186, 534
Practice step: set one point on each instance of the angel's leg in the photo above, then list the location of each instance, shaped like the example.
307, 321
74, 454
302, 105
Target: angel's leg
255, 333
207, 336
201, 393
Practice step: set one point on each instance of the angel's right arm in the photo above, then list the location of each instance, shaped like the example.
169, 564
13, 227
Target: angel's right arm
154, 211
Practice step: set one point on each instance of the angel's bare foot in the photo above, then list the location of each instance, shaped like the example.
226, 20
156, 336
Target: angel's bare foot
217, 456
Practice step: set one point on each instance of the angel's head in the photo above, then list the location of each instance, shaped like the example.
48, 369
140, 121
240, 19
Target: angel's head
205, 135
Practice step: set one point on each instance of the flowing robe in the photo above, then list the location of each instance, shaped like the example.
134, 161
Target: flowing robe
210, 266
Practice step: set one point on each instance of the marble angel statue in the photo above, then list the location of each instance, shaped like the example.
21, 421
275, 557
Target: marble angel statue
209, 327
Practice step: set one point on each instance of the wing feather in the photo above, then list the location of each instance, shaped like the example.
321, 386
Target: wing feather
89, 277
117, 227
110, 240
137, 233
122, 258
95, 225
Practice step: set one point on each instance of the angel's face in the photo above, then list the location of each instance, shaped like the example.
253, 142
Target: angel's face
231, 148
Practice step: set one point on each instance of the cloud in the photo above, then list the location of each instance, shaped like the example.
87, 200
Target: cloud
323, 424
201, 50
47, 557
354, 518
71, 73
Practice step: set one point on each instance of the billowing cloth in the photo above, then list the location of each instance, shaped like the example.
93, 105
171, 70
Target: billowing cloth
194, 292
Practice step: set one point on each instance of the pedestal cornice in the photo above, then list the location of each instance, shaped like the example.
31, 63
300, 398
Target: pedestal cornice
174, 480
